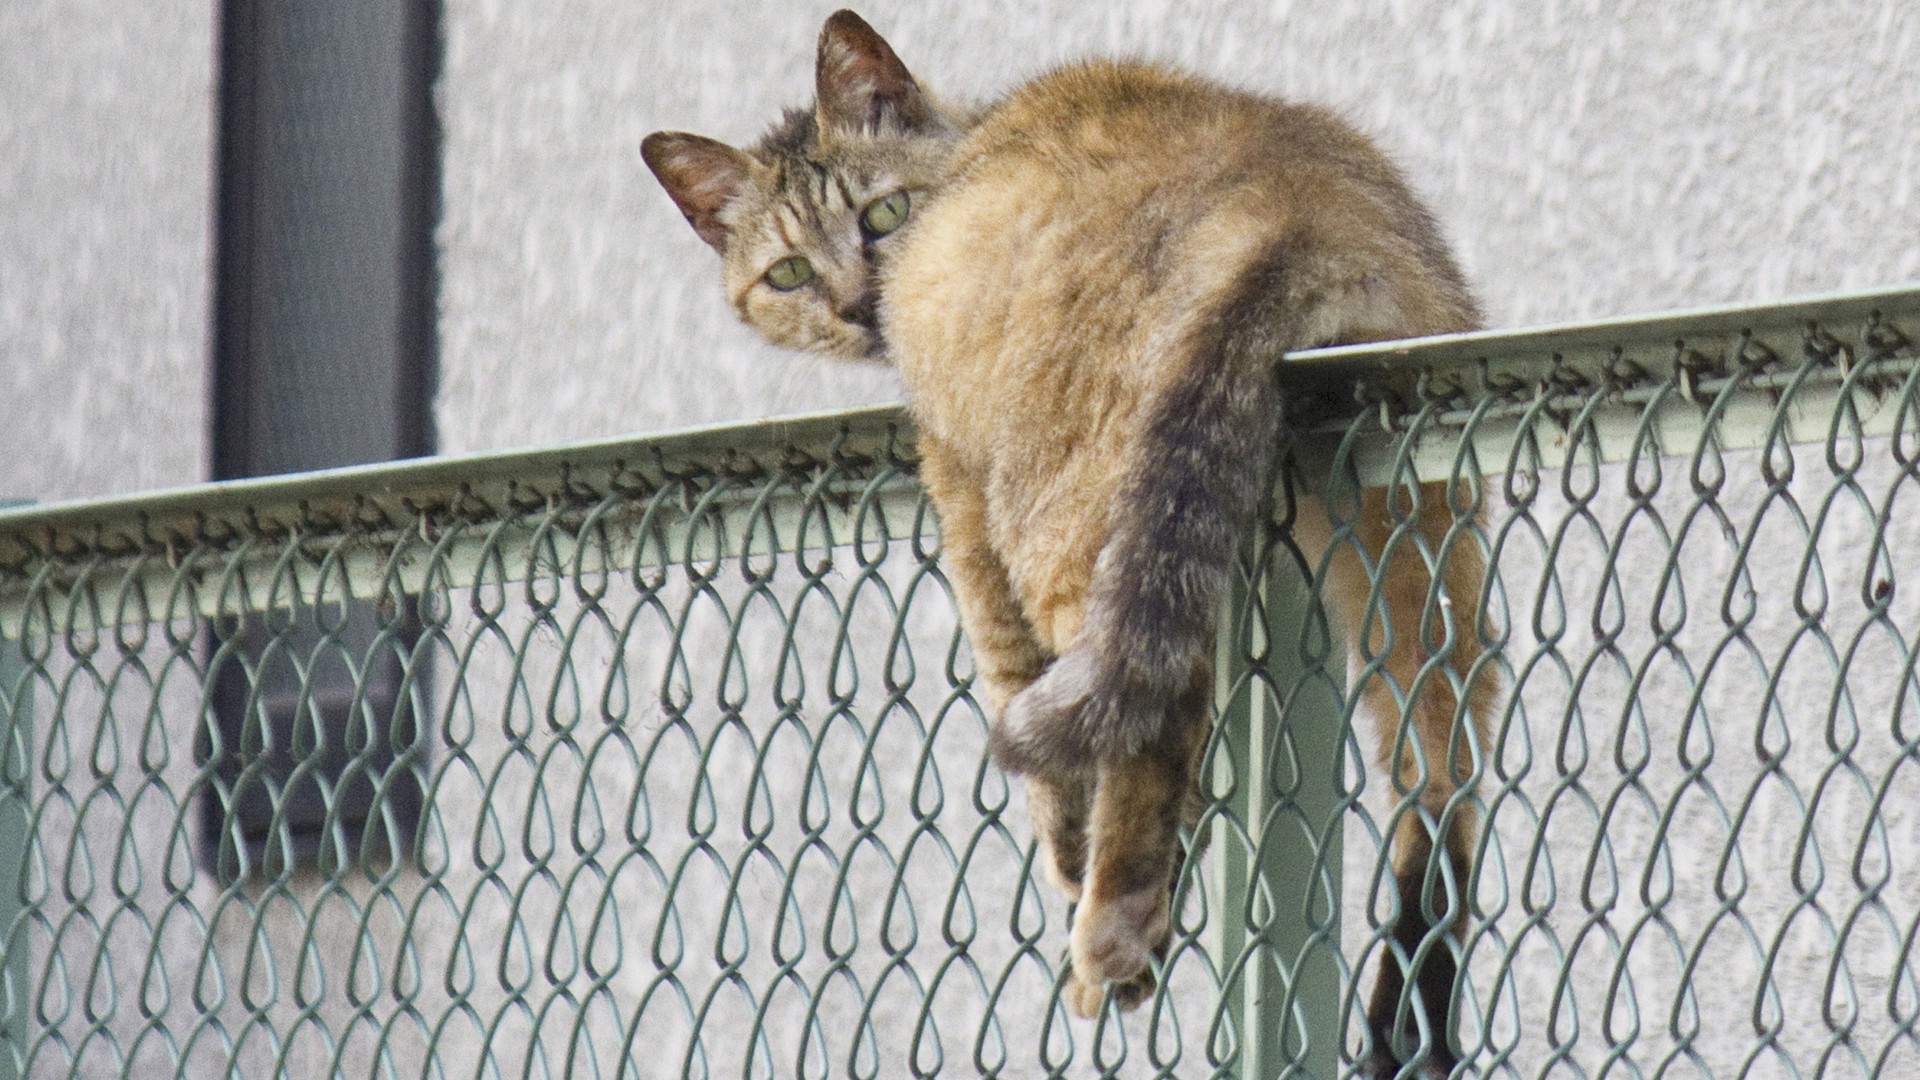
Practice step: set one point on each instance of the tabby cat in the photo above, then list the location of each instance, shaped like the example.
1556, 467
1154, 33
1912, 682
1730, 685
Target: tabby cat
1087, 287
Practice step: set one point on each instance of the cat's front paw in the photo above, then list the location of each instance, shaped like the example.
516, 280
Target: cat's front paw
1085, 998
1114, 941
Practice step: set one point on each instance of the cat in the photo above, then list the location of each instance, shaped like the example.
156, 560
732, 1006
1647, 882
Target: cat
1088, 286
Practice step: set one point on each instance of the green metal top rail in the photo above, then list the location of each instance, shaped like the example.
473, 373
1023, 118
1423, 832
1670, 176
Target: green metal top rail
372, 523
502, 479
1598, 337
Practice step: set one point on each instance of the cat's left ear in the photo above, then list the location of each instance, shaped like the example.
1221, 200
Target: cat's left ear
702, 175
860, 85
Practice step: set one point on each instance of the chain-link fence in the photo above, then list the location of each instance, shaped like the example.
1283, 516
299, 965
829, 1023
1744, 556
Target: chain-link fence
658, 758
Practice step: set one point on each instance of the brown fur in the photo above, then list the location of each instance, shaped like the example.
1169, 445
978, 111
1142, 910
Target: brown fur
1089, 306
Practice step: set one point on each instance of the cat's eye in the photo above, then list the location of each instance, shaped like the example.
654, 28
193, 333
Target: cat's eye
790, 273
885, 214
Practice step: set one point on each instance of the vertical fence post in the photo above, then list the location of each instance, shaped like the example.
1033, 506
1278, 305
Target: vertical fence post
16, 762
16, 769
1282, 896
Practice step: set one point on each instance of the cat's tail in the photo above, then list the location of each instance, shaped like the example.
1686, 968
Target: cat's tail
1139, 672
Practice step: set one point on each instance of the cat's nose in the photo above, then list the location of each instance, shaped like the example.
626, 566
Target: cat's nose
864, 311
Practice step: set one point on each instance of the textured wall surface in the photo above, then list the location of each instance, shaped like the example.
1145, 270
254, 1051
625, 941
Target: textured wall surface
105, 190
1587, 160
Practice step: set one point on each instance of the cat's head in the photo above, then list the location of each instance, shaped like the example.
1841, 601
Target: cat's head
801, 217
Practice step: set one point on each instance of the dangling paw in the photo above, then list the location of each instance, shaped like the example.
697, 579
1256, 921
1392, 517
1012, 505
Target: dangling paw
1114, 941
1085, 998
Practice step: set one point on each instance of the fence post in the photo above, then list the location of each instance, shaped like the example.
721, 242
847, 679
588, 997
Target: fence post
16, 769
1282, 895
16, 764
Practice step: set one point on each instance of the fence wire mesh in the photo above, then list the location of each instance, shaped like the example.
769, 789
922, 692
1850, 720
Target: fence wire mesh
659, 757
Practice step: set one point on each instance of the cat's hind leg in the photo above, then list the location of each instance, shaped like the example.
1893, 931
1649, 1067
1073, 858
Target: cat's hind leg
1408, 1028
1422, 638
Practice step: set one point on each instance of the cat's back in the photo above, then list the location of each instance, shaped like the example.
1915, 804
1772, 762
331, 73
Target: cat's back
1108, 203
1076, 206
1110, 120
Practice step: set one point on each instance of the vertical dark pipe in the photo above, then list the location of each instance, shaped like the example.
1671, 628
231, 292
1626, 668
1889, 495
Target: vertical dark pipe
230, 387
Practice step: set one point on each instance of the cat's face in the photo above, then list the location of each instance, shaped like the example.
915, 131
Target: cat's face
803, 218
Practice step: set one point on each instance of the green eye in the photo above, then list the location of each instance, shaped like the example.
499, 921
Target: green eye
884, 215
790, 273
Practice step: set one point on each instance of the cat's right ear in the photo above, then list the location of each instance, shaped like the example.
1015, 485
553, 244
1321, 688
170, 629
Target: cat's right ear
860, 85
702, 175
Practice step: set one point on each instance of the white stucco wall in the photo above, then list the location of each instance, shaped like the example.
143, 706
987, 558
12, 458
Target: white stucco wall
105, 192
